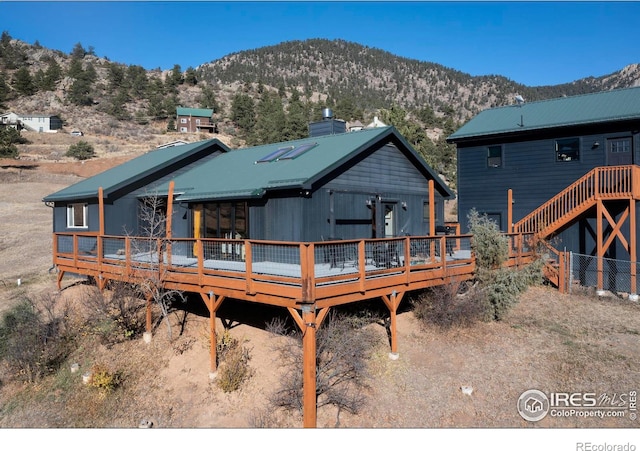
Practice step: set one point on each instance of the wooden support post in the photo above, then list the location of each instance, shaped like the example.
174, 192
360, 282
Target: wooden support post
309, 322
213, 340
309, 414
148, 325
432, 209
170, 209
562, 276
59, 281
599, 248
633, 293
101, 210
213, 304
510, 211
392, 302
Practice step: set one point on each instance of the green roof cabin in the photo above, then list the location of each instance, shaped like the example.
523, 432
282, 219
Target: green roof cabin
332, 185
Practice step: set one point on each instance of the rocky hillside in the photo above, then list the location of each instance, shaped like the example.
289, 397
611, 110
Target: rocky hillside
321, 70
377, 79
424, 100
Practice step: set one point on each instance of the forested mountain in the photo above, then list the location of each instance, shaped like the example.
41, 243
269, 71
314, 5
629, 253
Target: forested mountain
271, 93
375, 79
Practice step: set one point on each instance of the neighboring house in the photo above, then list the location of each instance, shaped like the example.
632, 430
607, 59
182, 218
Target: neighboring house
571, 164
193, 120
376, 123
10, 120
355, 126
365, 184
37, 123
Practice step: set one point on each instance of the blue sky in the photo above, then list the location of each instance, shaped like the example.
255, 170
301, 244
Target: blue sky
534, 43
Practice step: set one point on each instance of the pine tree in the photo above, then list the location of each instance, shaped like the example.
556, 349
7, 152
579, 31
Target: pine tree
138, 81
23, 82
243, 112
270, 123
4, 91
78, 52
208, 98
190, 76
297, 124
52, 75
116, 76
75, 69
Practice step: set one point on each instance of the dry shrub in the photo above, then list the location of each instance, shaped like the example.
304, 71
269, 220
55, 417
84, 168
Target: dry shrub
344, 346
105, 380
234, 367
35, 336
117, 314
450, 305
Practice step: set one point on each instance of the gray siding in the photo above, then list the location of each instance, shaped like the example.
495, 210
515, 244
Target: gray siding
528, 168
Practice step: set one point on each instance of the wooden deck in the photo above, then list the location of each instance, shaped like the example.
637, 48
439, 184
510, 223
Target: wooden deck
305, 278
273, 272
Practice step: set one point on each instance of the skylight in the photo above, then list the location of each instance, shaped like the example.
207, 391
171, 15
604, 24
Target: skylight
275, 154
302, 148
287, 153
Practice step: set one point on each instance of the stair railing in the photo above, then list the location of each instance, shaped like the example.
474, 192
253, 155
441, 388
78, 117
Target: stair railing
602, 182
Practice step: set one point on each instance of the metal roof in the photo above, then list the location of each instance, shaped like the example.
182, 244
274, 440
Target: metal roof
133, 170
238, 174
607, 106
196, 112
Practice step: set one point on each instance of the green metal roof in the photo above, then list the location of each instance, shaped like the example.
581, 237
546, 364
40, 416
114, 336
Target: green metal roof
608, 106
132, 171
238, 174
197, 112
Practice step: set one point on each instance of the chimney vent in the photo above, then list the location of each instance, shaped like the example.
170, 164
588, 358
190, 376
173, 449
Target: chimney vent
327, 126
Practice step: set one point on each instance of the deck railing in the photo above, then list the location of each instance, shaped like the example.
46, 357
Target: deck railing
337, 270
611, 182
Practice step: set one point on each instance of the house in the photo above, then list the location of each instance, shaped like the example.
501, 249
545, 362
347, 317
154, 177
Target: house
365, 184
565, 169
194, 120
376, 123
37, 123
76, 208
10, 119
335, 218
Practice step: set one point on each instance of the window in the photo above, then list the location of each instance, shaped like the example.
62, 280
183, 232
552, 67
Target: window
494, 156
568, 149
226, 220
77, 216
619, 145
426, 214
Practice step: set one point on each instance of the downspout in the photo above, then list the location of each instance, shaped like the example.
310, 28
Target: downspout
52, 205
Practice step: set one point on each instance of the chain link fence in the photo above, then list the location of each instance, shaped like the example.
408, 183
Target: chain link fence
616, 274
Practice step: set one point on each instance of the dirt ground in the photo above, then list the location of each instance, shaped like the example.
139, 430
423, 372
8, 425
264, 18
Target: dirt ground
577, 343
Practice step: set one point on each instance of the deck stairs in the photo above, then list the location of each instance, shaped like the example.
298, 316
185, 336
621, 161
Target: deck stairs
601, 184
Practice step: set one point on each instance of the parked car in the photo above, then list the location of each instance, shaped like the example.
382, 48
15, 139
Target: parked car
77, 133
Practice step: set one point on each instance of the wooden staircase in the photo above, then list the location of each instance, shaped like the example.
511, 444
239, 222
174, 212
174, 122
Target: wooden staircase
594, 189
602, 183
